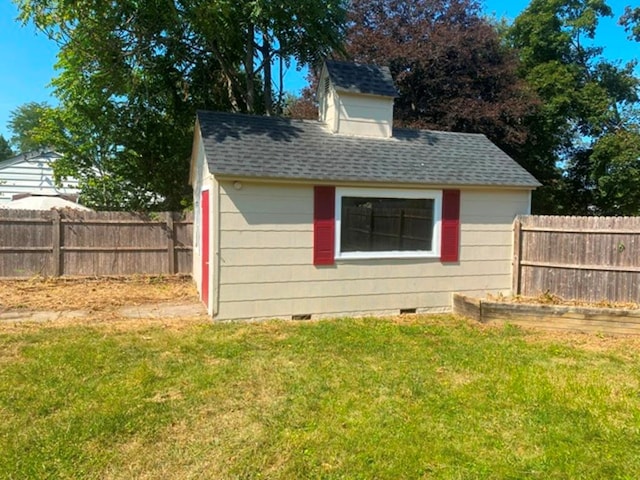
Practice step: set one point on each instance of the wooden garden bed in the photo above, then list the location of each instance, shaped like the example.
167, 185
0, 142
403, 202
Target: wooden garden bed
614, 321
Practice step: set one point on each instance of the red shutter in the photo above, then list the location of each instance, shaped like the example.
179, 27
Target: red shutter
324, 225
450, 238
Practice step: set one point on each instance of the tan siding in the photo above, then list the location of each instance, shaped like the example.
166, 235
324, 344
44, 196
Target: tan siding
266, 257
484, 238
257, 208
365, 115
492, 206
331, 118
366, 269
201, 179
323, 306
359, 287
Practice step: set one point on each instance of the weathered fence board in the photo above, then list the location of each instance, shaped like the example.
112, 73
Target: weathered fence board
66, 242
583, 258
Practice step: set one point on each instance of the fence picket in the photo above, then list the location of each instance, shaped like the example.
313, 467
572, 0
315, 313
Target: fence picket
66, 242
582, 258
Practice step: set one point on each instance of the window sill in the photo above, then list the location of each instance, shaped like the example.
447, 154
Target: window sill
386, 255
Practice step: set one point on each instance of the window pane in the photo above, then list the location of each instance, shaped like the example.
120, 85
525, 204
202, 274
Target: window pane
386, 224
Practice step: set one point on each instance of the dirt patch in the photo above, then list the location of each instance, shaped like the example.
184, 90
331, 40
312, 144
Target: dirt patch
93, 294
548, 298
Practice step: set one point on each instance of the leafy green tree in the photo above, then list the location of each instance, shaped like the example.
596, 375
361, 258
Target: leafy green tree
615, 172
451, 68
5, 149
631, 22
583, 98
24, 122
132, 77
303, 30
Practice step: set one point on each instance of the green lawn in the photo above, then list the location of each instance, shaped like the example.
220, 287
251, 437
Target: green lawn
434, 397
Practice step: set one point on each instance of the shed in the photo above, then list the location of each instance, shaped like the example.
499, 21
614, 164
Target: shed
347, 215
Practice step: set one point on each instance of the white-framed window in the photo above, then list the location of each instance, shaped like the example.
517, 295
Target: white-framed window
387, 223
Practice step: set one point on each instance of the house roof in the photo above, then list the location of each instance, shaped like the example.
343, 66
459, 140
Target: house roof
46, 155
42, 202
366, 79
280, 148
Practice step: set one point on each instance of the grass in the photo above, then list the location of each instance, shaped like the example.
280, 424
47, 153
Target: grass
424, 397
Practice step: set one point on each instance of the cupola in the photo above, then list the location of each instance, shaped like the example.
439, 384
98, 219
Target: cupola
355, 99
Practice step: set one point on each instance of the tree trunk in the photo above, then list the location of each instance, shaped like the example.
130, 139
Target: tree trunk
266, 58
249, 70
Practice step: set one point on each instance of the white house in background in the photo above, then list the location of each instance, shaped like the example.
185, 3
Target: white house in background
32, 173
30, 201
347, 215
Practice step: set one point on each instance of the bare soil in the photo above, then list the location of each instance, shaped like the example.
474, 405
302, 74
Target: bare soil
102, 297
93, 294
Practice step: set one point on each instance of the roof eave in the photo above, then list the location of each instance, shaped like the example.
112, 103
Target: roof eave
334, 181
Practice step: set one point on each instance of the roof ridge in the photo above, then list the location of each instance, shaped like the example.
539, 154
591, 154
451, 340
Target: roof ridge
445, 132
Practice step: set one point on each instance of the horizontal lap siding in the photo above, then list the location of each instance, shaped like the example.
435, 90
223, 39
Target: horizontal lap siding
32, 176
362, 116
266, 258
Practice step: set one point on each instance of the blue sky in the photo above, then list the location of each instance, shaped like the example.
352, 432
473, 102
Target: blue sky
27, 57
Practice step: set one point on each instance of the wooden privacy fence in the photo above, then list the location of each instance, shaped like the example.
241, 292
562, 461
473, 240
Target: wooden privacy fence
69, 242
585, 258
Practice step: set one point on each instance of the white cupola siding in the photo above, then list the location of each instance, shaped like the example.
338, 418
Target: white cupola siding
356, 100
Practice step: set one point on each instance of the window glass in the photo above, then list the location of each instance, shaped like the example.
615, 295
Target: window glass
371, 224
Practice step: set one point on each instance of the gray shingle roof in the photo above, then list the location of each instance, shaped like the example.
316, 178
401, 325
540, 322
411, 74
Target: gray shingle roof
279, 148
354, 78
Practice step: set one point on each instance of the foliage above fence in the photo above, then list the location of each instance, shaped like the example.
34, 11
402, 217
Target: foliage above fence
586, 258
69, 242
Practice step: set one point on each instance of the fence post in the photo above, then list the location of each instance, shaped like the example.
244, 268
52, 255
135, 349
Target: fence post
171, 243
517, 251
56, 239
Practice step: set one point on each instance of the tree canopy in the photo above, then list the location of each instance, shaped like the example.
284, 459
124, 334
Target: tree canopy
449, 64
132, 77
539, 88
587, 103
5, 149
453, 71
24, 122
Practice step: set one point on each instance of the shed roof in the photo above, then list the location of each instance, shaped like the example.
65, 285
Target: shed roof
280, 148
367, 79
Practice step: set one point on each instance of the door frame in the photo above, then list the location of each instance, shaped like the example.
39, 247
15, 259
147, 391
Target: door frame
205, 245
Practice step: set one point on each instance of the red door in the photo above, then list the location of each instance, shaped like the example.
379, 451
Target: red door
204, 217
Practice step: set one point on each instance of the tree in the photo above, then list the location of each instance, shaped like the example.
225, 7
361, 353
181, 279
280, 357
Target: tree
584, 97
450, 66
630, 20
304, 30
5, 149
132, 77
24, 122
615, 172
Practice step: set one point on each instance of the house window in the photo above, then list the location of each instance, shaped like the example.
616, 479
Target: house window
387, 223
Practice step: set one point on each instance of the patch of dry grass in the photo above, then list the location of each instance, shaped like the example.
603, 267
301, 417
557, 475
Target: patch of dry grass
548, 298
93, 294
